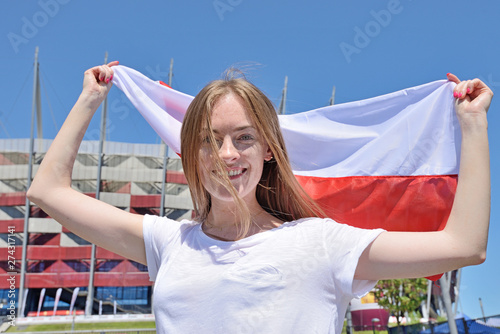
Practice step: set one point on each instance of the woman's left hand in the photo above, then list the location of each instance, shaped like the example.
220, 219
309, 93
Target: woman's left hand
473, 97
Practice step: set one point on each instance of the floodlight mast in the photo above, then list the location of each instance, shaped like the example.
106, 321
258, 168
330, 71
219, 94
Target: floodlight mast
165, 156
90, 291
35, 110
282, 107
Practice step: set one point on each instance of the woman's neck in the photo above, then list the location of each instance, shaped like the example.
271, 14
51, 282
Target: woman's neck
223, 221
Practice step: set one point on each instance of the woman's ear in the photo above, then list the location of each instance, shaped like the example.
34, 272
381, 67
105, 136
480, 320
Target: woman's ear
269, 154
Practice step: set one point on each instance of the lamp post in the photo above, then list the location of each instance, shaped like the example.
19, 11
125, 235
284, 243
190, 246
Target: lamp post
482, 310
374, 320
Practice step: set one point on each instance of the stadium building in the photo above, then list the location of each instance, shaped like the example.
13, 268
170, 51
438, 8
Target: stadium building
58, 266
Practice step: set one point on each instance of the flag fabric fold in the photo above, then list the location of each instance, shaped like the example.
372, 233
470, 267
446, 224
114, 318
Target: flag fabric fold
390, 161
162, 107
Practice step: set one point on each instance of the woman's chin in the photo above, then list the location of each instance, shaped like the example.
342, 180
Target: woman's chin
224, 197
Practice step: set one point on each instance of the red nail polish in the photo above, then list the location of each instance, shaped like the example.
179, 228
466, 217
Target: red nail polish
468, 90
459, 94
455, 94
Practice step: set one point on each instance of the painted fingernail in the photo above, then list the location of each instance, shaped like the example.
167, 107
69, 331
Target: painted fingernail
455, 94
107, 80
468, 90
459, 94
110, 79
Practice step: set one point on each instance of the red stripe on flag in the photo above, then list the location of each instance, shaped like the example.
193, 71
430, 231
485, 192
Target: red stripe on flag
164, 84
394, 203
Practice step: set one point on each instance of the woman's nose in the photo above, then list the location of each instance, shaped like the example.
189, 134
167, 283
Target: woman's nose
227, 150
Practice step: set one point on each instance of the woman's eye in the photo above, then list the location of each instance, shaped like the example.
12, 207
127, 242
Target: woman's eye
246, 137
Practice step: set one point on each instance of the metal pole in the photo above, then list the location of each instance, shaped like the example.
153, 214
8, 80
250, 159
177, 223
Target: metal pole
171, 72
20, 300
332, 99
466, 327
282, 107
457, 289
90, 293
164, 180
165, 154
429, 295
39, 128
445, 290
482, 310
349, 328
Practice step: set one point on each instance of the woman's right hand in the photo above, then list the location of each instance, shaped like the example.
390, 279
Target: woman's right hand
97, 82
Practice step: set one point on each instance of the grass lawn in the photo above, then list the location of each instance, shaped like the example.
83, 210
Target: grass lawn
344, 331
114, 325
82, 326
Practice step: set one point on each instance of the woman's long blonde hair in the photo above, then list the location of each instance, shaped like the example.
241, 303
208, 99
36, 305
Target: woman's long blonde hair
278, 192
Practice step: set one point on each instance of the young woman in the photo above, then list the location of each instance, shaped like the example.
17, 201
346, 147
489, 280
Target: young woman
257, 259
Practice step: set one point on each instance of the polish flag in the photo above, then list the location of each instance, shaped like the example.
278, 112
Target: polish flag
386, 162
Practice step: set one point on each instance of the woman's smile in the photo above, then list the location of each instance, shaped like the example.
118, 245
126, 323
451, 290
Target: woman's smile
235, 173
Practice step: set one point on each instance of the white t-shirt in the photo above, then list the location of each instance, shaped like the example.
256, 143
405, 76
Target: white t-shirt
296, 278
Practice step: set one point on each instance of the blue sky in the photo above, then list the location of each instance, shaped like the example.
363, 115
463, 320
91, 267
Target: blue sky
364, 48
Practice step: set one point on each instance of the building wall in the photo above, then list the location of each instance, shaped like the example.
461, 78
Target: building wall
56, 258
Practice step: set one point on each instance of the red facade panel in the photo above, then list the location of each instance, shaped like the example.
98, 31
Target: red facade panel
122, 279
56, 280
102, 253
176, 177
72, 280
13, 199
145, 201
4, 160
57, 252
125, 189
17, 225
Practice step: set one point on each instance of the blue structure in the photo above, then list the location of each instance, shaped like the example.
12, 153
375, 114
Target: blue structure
464, 326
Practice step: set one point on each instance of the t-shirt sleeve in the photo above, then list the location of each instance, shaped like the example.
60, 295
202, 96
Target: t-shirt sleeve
345, 244
153, 253
159, 235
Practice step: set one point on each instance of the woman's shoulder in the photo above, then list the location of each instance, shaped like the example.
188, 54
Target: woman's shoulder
158, 223
324, 225
311, 222
308, 225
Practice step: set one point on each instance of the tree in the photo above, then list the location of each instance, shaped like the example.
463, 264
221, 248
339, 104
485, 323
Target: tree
399, 296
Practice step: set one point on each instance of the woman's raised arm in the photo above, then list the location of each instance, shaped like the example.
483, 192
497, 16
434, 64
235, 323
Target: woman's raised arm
100, 223
463, 240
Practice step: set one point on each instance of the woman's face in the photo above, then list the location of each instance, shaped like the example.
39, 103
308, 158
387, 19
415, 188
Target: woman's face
241, 149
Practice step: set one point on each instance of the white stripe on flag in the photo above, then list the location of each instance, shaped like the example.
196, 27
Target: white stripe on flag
409, 132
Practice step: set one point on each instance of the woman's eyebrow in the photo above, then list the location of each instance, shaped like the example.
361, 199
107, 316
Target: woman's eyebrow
240, 128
